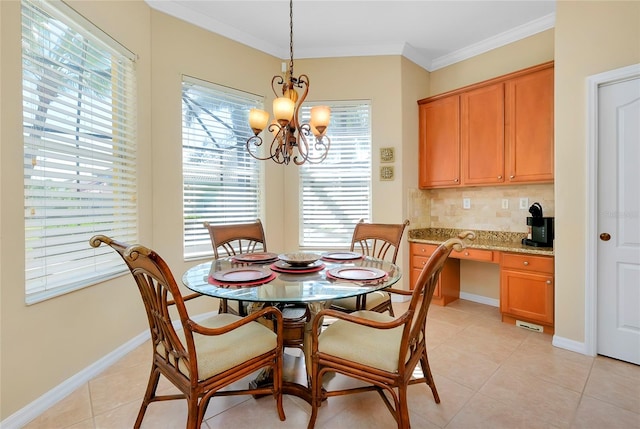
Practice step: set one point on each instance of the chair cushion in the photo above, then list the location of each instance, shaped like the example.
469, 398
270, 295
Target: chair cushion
373, 299
220, 352
378, 348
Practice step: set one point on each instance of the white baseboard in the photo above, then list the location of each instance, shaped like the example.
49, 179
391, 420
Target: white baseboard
571, 345
480, 299
28, 413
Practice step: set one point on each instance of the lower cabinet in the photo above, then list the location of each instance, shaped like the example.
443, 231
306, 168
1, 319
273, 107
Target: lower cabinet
526, 289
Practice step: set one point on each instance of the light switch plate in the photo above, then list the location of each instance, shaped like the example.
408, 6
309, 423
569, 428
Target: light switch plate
505, 203
466, 203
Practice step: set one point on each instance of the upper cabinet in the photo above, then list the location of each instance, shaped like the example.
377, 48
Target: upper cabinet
529, 127
492, 133
440, 158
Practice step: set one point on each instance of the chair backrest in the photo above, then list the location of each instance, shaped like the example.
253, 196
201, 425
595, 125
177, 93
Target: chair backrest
237, 238
414, 336
380, 240
159, 291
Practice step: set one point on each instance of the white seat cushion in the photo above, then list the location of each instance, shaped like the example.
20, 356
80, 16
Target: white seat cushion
221, 352
378, 348
373, 299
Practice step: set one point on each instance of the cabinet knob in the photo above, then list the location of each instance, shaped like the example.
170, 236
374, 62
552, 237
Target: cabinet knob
455, 180
499, 177
548, 282
512, 177
466, 253
526, 263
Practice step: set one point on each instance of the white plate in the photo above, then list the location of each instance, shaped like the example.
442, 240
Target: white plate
357, 273
241, 275
342, 256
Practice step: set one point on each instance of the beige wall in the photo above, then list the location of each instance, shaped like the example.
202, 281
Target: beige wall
591, 37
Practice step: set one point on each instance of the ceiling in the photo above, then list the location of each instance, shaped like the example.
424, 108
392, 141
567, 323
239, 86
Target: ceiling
431, 33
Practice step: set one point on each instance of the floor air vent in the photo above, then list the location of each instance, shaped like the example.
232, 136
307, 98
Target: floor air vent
529, 326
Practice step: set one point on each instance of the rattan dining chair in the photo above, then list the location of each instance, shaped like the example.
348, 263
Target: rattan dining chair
202, 359
378, 349
236, 239
382, 241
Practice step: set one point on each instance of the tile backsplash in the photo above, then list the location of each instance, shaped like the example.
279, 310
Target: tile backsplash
443, 208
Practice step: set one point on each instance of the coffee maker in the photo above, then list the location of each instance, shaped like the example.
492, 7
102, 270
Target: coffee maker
540, 228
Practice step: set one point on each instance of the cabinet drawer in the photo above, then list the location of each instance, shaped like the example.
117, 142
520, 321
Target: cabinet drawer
474, 254
543, 264
418, 261
419, 249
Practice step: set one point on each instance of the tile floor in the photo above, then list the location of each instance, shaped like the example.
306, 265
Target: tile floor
489, 375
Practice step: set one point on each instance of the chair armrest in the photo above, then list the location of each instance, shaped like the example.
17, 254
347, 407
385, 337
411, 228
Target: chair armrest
317, 321
203, 330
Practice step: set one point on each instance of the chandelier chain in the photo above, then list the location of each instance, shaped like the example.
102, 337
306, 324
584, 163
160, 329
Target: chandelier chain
291, 39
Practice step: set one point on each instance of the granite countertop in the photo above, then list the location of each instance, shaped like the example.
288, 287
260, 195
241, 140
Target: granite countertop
487, 240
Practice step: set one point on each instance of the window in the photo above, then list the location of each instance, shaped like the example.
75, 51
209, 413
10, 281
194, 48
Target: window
221, 181
336, 194
79, 149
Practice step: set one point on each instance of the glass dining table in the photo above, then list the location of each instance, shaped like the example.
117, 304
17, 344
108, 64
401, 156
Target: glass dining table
270, 279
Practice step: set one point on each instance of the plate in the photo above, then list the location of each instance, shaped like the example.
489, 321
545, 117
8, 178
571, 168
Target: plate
256, 257
357, 273
241, 275
299, 259
342, 256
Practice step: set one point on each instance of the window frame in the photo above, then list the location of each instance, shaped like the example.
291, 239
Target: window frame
69, 179
340, 235
196, 242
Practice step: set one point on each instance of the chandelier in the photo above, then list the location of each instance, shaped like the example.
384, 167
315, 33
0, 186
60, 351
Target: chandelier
287, 132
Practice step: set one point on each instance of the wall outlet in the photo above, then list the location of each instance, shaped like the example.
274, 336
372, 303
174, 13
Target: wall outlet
524, 203
505, 203
466, 203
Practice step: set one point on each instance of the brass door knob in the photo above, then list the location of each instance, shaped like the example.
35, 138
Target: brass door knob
605, 236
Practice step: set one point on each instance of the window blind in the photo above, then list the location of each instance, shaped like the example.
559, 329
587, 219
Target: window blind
336, 194
79, 129
221, 181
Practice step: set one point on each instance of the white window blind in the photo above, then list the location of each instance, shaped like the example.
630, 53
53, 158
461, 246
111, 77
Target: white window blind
79, 128
336, 194
221, 181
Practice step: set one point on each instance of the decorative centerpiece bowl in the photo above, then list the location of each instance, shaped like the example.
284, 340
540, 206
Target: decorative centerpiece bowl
299, 259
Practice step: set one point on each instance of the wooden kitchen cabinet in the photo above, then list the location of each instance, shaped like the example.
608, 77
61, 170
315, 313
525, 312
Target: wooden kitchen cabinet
440, 143
495, 132
448, 287
529, 127
482, 135
526, 289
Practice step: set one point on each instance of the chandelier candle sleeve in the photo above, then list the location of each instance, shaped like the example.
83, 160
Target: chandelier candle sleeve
258, 120
283, 108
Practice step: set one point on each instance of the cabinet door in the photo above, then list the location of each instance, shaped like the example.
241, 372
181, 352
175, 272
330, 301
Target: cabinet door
439, 156
529, 127
527, 295
482, 135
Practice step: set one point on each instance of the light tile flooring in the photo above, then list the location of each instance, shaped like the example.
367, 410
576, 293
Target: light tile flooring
489, 375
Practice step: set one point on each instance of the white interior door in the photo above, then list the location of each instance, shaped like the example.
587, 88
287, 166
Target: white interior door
618, 249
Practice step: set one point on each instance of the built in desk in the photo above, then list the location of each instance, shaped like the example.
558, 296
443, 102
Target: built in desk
526, 272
